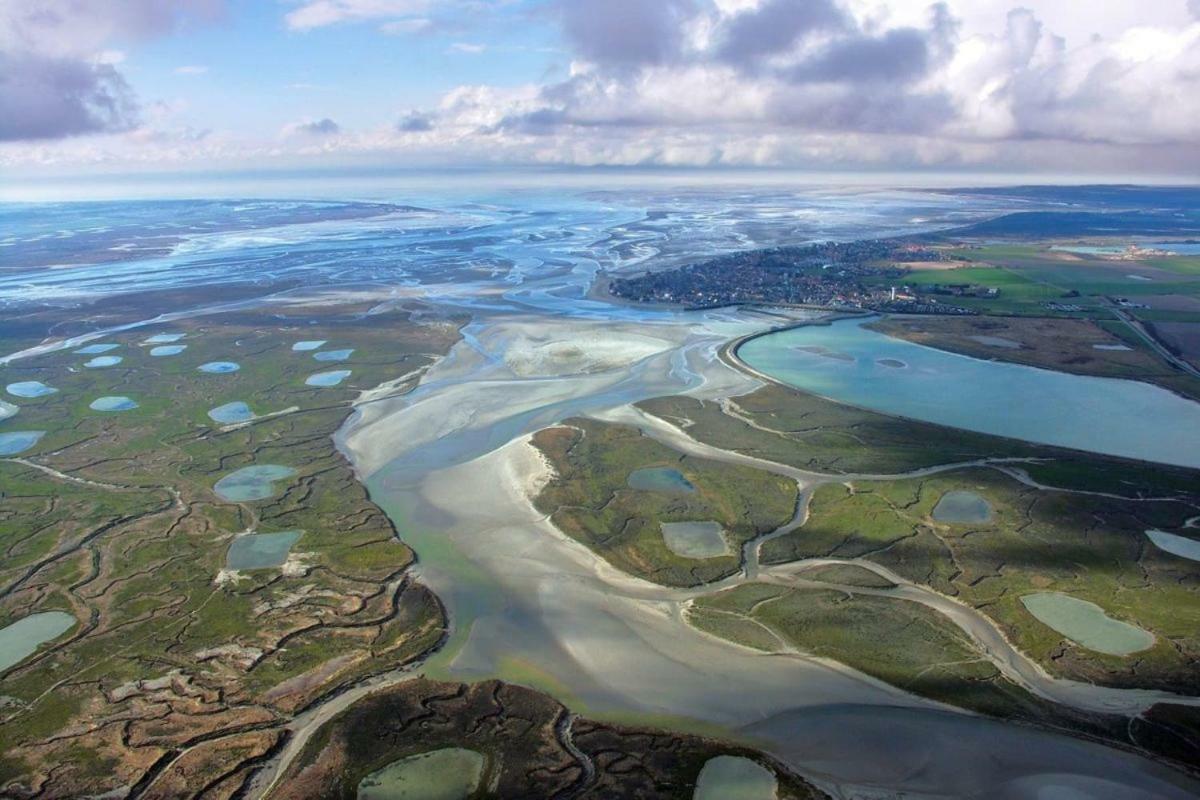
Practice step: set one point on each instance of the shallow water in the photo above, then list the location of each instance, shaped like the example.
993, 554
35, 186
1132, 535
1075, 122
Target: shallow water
252, 483
113, 403
695, 539
449, 774
334, 355
327, 379
103, 361
168, 350
1119, 348
305, 346
891, 363
22, 638
260, 550
231, 413
659, 479
735, 778
219, 367
1086, 624
96, 349
164, 338
8, 410
1103, 415
30, 389
18, 441
1175, 545
962, 507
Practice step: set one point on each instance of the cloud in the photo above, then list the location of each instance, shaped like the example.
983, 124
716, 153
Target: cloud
776, 26
467, 47
48, 98
191, 69
626, 33
1194, 7
321, 13
314, 128
415, 122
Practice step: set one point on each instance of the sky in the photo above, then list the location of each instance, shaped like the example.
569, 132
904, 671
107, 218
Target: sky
165, 86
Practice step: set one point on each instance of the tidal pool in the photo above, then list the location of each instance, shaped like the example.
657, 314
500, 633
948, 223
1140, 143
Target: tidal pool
327, 379
734, 778
30, 389
302, 347
164, 338
659, 479
113, 403
1175, 545
1120, 348
22, 638
96, 349
962, 507
1086, 624
167, 350
103, 361
251, 483
891, 363
334, 355
18, 441
1103, 415
260, 550
8, 410
449, 774
695, 539
219, 367
231, 413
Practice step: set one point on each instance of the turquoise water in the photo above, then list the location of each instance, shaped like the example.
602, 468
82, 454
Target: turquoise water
305, 346
328, 378
1181, 248
167, 350
113, 403
449, 774
1103, 415
1086, 624
231, 413
96, 349
219, 367
659, 479
334, 355
695, 539
734, 778
18, 441
103, 361
962, 508
1175, 545
164, 338
260, 550
30, 389
252, 483
8, 410
21, 639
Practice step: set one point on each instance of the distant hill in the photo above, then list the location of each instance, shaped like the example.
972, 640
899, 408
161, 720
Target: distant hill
1039, 224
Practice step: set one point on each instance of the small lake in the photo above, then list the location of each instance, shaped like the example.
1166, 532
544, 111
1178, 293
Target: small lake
734, 778
334, 355
219, 367
252, 483
695, 539
113, 403
1180, 248
260, 550
18, 441
302, 347
962, 507
231, 413
30, 389
327, 379
1175, 545
21, 639
1086, 624
450, 774
8, 410
164, 338
97, 349
1103, 415
660, 479
103, 361
167, 350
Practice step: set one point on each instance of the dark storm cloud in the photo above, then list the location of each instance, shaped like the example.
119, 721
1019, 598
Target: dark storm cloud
49, 98
626, 33
321, 127
898, 56
775, 26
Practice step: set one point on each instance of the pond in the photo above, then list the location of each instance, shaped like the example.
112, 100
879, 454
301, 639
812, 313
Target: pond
252, 483
231, 413
1103, 415
97, 349
734, 778
1175, 545
334, 355
8, 410
260, 550
695, 539
449, 774
30, 389
164, 338
1086, 624
103, 361
113, 403
18, 441
327, 379
306, 346
219, 367
21, 639
660, 479
167, 350
962, 507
